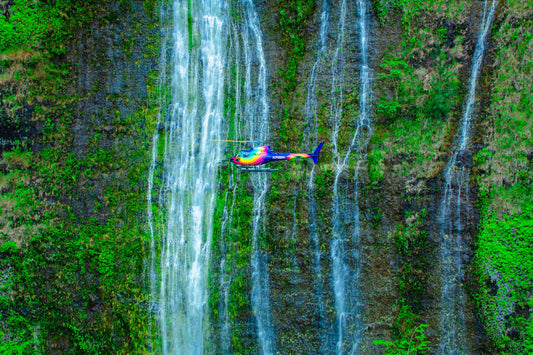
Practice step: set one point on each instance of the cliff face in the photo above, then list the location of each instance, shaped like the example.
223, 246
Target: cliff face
76, 118
78, 110
421, 56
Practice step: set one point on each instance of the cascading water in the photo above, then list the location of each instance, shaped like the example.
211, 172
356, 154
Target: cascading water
345, 247
257, 115
311, 101
453, 211
312, 140
193, 122
225, 279
155, 143
229, 204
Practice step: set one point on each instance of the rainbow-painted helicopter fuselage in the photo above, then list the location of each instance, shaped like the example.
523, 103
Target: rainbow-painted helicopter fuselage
264, 155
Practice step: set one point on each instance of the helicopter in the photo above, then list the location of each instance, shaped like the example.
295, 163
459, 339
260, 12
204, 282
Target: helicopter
248, 159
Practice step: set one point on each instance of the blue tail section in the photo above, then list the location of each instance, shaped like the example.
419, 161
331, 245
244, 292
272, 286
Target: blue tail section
316, 153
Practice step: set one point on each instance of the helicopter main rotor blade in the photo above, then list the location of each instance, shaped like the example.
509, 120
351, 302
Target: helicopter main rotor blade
234, 141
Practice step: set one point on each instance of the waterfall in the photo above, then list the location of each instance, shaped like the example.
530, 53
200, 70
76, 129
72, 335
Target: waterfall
225, 280
227, 215
257, 115
311, 102
154, 162
345, 246
477, 59
339, 267
312, 133
192, 122
453, 212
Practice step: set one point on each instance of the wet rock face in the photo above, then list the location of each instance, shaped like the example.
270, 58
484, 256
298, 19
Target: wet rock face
397, 249
401, 201
302, 300
113, 59
16, 112
77, 124
5, 8
112, 72
464, 159
16, 127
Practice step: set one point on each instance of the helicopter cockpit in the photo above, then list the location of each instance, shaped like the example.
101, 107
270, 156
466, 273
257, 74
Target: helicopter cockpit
245, 154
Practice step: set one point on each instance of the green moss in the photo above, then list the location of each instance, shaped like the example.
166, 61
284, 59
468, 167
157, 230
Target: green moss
418, 105
232, 238
190, 24
73, 216
410, 336
504, 173
376, 166
293, 19
505, 265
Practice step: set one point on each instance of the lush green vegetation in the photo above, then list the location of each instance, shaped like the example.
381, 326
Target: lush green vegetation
409, 332
412, 245
418, 104
72, 244
294, 16
72, 250
504, 172
232, 236
76, 275
505, 262
43, 25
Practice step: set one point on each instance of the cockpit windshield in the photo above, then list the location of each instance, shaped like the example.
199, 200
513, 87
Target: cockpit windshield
244, 154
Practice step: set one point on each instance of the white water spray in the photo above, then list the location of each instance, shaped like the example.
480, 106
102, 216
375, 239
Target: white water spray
189, 172
154, 161
311, 101
345, 247
452, 214
312, 140
257, 115
225, 279
229, 203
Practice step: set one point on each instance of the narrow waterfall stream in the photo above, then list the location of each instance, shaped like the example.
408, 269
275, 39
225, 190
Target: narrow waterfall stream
454, 214
152, 225
185, 154
141, 213
256, 113
198, 36
339, 267
230, 198
311, 139
225, 278
345, 246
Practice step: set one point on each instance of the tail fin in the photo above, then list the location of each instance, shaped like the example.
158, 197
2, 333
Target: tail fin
316, 153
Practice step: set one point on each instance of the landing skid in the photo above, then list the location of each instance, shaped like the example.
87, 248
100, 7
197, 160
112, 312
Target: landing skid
257, 170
